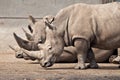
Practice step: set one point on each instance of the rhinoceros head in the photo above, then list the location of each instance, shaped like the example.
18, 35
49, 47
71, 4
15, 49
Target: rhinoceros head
20, 53
53, 46
38, 33
37, 36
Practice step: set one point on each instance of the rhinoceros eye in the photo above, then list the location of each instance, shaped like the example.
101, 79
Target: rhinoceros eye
49, 47
40, 41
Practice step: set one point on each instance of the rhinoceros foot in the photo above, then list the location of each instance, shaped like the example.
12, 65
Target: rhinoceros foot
116, 60
79, 66
112, 58
93, 66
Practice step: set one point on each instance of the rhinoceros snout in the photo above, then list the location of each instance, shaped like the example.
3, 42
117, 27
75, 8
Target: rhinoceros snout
46, 64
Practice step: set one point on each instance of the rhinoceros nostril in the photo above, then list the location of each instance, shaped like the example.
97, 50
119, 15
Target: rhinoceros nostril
19, 56
45, 63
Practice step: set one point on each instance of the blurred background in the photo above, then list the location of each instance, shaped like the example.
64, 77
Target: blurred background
14, 15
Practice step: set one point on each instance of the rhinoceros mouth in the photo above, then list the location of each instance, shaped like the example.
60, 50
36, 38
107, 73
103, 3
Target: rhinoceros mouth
29, 58
47, 64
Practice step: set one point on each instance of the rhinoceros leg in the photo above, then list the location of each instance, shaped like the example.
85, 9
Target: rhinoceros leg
91, 58
112, 58
68, 55
82, 48
102, 55
117, 59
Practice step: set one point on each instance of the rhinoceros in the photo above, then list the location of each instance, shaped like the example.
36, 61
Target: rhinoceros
84, 26
69, 53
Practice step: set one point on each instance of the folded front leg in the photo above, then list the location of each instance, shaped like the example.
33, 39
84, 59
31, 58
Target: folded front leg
117, 59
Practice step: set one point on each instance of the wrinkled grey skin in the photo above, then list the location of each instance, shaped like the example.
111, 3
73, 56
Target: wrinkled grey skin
69, 53
86, 31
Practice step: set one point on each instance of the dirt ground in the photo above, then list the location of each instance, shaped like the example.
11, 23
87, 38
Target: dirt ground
18, 69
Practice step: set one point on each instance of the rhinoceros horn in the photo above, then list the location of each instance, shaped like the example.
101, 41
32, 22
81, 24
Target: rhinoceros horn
28, 36
22, 43
34, 54
14, 49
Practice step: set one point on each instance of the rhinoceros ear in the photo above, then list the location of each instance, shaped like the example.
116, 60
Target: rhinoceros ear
22, 43
31, 20
28, 36
49, 18
49, 24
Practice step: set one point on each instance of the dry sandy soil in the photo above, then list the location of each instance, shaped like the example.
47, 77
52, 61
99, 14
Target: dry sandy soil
18, 69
